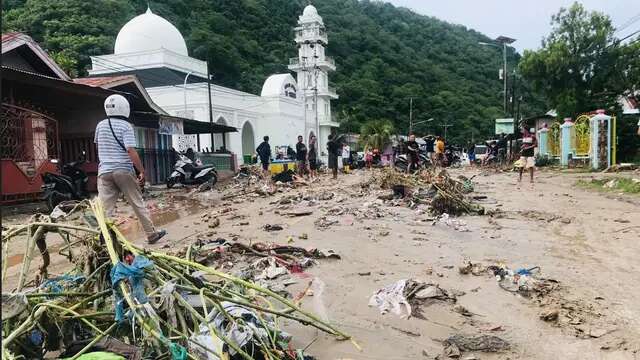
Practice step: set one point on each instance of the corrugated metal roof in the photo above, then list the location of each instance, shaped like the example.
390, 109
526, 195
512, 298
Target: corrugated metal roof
102, 80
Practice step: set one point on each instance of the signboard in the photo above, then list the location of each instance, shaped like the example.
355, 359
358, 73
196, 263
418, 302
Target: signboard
290, 90
504, 126
170, 127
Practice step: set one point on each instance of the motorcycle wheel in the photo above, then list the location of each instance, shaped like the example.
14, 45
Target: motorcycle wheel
171, 181
53, 200
208, 184
400, 166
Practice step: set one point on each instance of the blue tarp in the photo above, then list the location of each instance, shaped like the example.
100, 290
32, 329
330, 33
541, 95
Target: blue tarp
134, 274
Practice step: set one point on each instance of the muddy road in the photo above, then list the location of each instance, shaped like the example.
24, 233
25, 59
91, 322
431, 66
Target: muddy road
586, 241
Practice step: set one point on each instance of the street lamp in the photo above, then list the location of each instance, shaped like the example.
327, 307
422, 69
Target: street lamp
504, 41
411, 124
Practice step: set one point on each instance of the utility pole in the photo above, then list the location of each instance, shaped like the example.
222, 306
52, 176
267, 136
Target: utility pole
504, 74
315, 97
210, 106
504, 41
445, 126
410, 115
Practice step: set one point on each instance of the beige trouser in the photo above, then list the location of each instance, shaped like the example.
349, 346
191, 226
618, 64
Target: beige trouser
111, 185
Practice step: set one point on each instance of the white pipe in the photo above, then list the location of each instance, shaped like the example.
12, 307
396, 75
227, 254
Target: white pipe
185, 92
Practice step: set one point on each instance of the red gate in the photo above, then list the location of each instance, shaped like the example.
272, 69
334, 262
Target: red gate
29, 140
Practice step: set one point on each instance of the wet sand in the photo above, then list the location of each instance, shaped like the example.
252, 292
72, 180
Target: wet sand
585, 240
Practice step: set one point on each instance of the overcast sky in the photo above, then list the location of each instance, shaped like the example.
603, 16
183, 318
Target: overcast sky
526, 21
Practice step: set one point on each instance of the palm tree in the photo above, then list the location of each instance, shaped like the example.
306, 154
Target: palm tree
376, 134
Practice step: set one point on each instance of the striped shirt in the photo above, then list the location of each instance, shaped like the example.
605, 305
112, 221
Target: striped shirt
110, 153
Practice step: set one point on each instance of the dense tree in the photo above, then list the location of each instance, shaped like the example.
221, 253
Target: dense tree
385, 55
376, 134
581, 66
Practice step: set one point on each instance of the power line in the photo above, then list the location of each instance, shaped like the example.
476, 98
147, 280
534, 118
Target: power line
628, 23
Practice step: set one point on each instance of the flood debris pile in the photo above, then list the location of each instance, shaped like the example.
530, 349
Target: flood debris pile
272, 266
440, 192
250, 182
127, 302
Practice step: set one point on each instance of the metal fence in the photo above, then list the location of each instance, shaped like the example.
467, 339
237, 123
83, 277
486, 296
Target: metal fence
158, 164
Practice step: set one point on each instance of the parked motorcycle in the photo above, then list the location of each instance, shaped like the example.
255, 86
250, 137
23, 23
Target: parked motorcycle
70, 184
452, 157
401, 162
187, 172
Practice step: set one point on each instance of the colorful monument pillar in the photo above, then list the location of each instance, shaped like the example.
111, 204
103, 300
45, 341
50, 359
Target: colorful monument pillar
543, 141
567, 137
601, 140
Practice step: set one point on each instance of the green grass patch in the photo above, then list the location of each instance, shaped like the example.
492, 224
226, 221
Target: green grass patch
620, 185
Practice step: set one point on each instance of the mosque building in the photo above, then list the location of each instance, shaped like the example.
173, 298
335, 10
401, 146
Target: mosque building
154, 50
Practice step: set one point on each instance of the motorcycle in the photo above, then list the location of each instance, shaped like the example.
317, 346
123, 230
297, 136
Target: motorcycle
401, 162
452, 157
70, 184
187, 173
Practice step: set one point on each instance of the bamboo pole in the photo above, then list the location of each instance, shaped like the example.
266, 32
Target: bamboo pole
94, 341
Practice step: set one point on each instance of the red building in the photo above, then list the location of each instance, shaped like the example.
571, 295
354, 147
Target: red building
47, 115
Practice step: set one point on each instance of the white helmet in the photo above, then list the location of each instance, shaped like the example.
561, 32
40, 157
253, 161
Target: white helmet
117, 105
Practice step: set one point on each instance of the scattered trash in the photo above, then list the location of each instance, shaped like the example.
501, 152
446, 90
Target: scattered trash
550, 314
404, 297
298, 213
456, 344
273, 227
471, 268
445, 219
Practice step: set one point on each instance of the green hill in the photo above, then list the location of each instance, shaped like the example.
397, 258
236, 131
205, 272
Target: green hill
385, 54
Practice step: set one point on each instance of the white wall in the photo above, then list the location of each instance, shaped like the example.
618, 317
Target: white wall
281, 118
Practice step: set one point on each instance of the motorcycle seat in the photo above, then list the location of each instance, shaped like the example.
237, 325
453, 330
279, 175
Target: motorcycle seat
196, 169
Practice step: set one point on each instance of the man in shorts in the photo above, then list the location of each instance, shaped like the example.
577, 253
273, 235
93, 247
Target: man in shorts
527, 159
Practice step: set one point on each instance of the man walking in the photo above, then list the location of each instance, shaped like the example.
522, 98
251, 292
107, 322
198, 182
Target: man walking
301, 156
264, 153
527, 159
332, 148
117, 154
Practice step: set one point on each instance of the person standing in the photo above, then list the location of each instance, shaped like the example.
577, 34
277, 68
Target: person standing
527, 159
439, 151
471, 154
430, 142
117, 154
368, 158
312, 156
346, 156
332, 148
301, 156
264, 153
413, 151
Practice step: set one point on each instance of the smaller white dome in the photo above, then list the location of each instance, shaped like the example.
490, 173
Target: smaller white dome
280, 85
149, 32
309, 11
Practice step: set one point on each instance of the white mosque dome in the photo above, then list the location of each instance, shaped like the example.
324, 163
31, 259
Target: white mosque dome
310, 11
149, 32
280, 85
